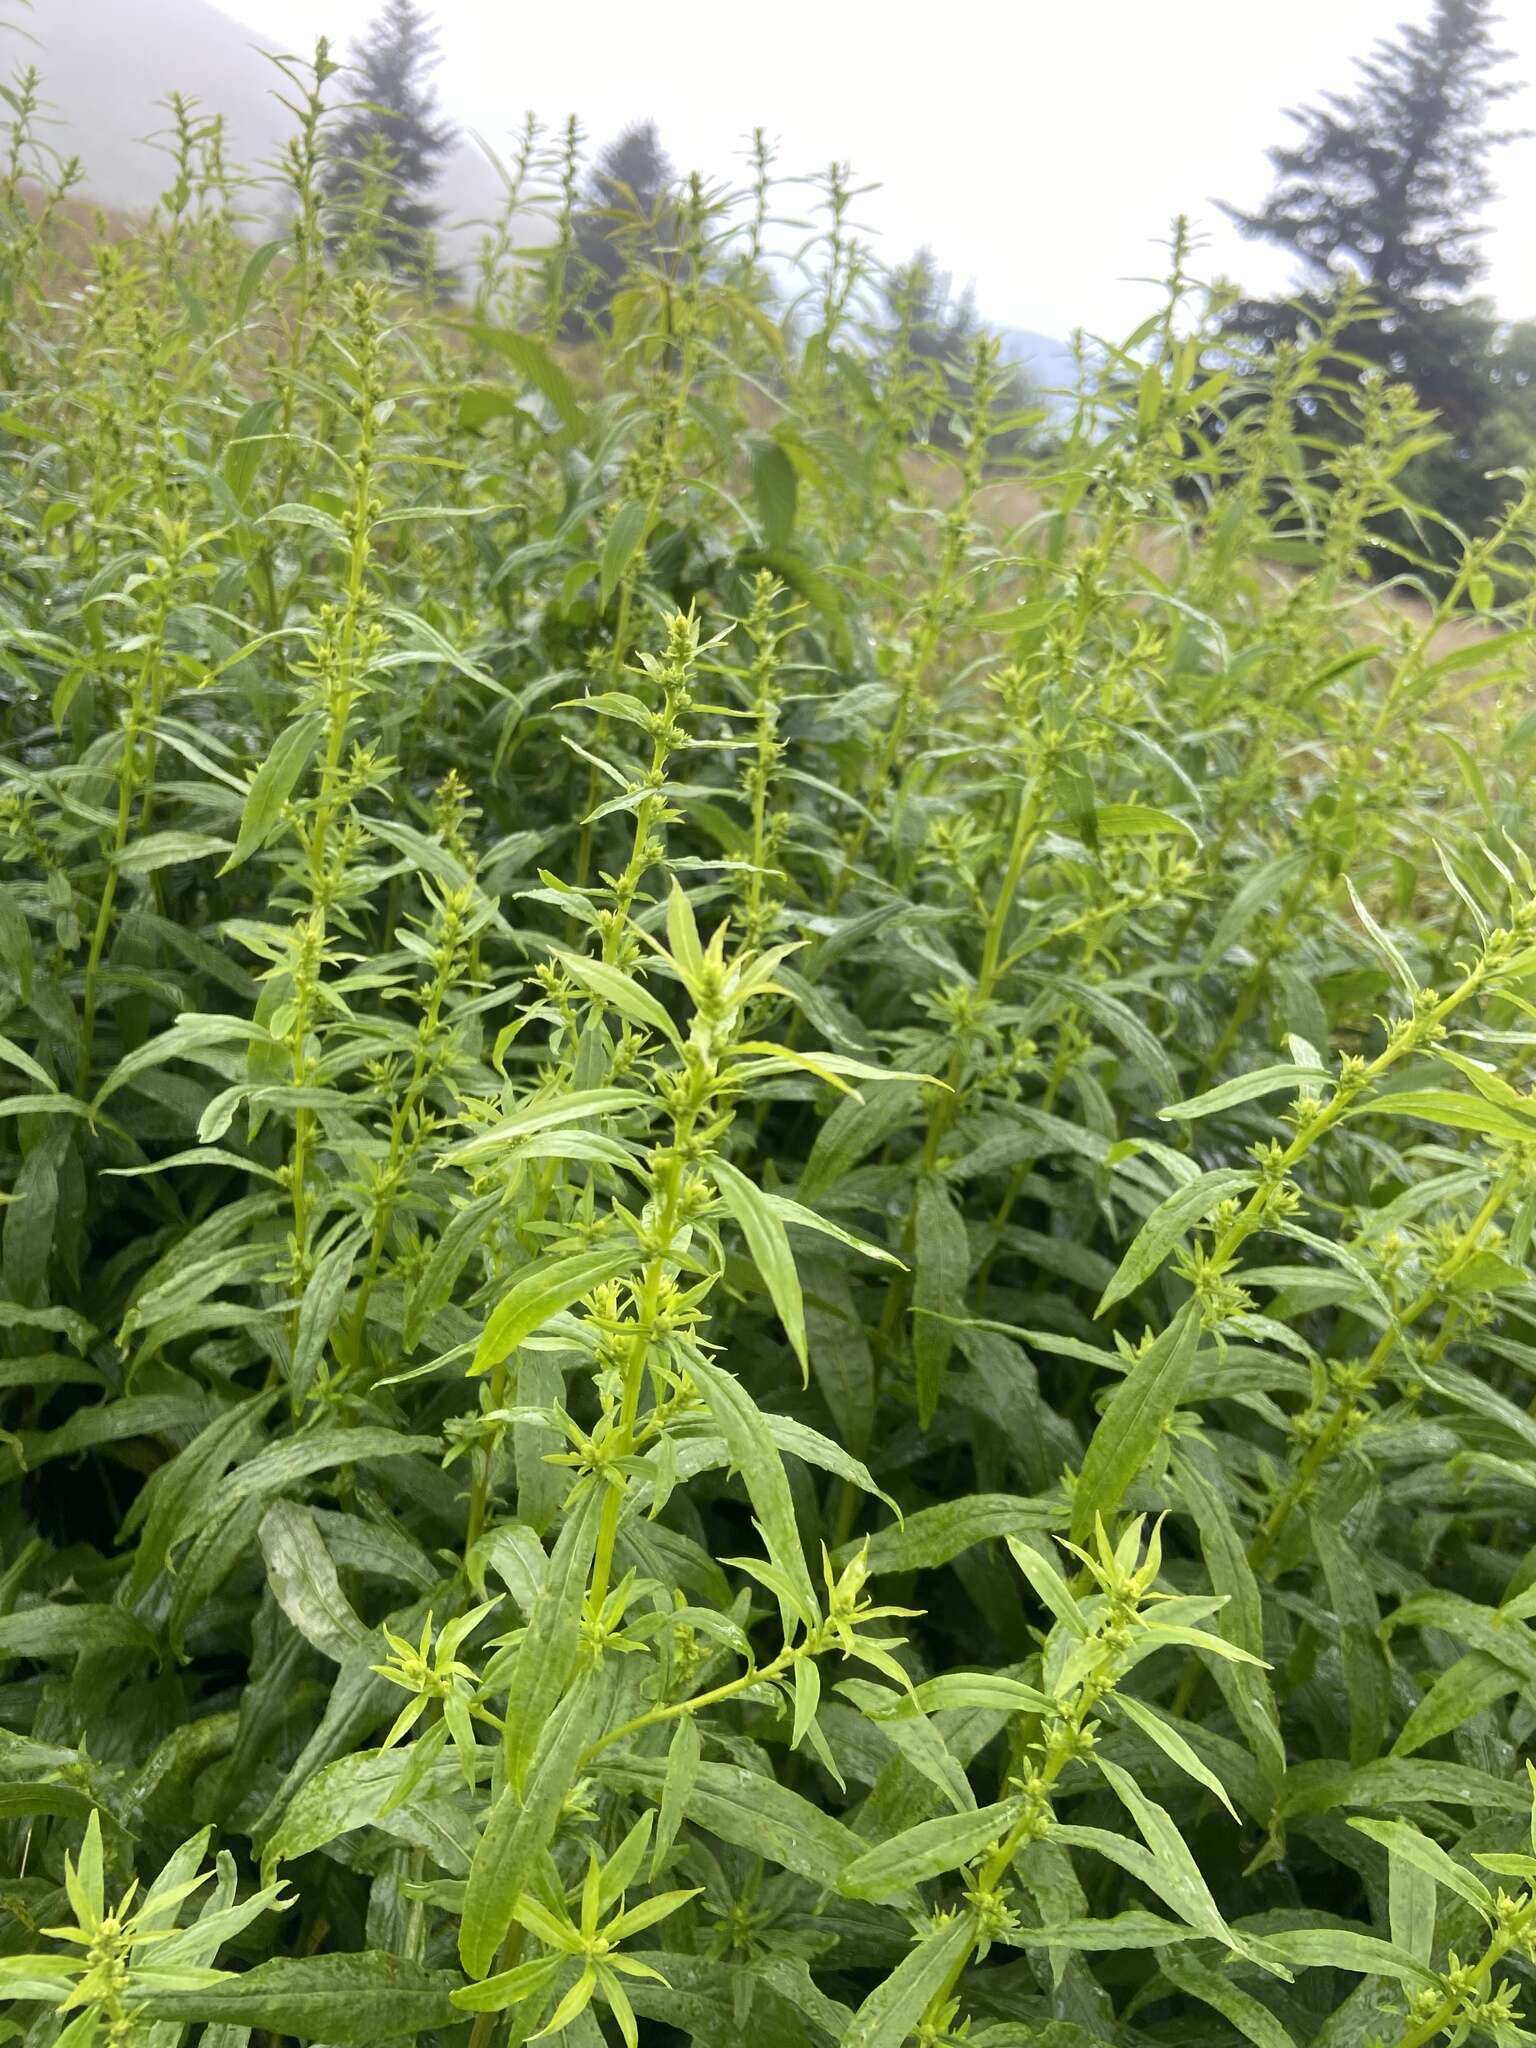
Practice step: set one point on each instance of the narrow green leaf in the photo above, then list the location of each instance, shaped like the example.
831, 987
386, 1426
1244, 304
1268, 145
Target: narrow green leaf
626, 531
927, 1850
776, 487
1133, 1423
941, 1268
273, 784
304, 1580
533, 361
357, 2000
768, 1242
886, 2017
519, 1830
1255, 2022
751, 1812
1245, 1088
541, 1291
756, 1457
1166, 1225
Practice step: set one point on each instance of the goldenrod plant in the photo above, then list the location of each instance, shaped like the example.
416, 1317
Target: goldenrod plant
768, 1185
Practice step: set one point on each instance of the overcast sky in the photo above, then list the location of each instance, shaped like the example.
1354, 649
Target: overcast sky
1040, 150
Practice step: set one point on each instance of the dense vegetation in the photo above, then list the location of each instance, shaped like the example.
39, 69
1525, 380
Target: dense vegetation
766, 1252
1385, 187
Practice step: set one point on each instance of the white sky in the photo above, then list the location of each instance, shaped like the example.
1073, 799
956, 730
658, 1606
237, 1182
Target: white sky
1040, 149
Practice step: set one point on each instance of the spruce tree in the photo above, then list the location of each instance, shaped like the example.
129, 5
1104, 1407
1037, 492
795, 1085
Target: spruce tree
1389, 183
1391, 179
387, 147
625, 217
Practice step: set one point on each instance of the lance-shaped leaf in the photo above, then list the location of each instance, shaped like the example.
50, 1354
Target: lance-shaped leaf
1133, 1423
768, 1242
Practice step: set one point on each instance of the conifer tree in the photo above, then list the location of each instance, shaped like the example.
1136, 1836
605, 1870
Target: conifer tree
625, 216
387, 147
1387, 185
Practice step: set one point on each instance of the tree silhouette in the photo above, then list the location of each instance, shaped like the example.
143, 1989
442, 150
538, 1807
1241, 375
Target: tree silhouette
1389, 183
386, 149
625, 217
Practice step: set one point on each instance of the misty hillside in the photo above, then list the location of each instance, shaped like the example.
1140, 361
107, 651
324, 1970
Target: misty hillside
107, 65
1047, 362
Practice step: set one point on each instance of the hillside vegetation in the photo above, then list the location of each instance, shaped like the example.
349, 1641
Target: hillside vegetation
766, 1249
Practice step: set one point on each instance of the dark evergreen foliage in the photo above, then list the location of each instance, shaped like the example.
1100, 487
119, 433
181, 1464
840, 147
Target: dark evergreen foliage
626, 218
388, 146
1385, 188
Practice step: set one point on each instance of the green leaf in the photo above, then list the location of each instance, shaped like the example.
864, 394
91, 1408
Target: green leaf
281, 1465
304, 1580
1241, 1620
751, 1812
776, 488
1138, 821
481, 402
1172, 1744
533, 361
19, 1800
1450, 1106
768, 1242
519, 1830
181, 1492
927, 1850
621, 992
1261, 893
1245, 1088
908, 1729
885, 2019
1255, 2022
1367, 1677
801, 1441
678, 1786
842, 1363
256, 267
932, 1536
250, 438
509, 1987
1386, 947
942, 1264
626, 530
362, 1790
1166, 1225
354, 2000
156, 850
273, 784
1129, 1930
756, 1457
1037, 1561
1183, 1884
1339, 1948
541, 1291
312, 516
852, 1131
320, 1311
1462, 1690
1133, 1423
1124, 1025
1403, 1842
534, 1118
1319, 1787
52, 1629
548, 1653
13, 1056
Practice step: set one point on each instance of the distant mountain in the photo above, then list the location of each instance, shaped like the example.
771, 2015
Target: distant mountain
108, 66
1047, 362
